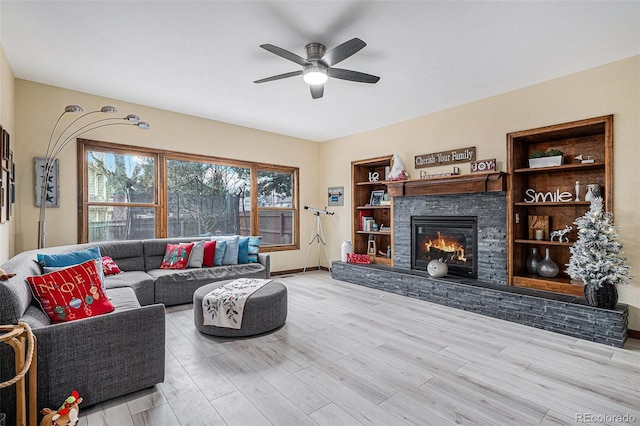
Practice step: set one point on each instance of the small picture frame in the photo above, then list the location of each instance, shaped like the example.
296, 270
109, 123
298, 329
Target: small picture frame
376, 197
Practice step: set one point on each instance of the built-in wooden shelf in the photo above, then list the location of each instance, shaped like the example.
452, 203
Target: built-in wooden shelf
543, 242
559, 284
570, 203
372, 207
380, 260
374, 232
361, 189
563, 167
591, 137
459, 184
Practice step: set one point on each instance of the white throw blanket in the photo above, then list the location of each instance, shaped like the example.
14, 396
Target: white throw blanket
224, 306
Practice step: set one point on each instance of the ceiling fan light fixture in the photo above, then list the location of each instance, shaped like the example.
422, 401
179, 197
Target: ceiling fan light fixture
315, 75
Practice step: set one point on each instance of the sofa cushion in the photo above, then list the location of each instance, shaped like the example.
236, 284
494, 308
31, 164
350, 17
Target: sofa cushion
141, 283
218, 255
15, 293
197, 255
153, 250
176, 256
123, 298
69, 259
231, 253
127, 254
254, 248
71, 293
109, 266
209, 254
174, 287
243, 250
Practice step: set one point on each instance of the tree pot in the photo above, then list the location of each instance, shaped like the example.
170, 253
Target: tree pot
605, 297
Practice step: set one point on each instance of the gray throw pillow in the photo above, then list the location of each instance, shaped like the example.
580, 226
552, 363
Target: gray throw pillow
197, 255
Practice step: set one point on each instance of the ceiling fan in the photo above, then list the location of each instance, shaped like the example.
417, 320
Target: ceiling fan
318, 66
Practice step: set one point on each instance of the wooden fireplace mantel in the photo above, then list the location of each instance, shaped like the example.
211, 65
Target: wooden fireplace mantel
459, 184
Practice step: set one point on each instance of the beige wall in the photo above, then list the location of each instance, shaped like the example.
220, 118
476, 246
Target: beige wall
609, 89
38, 106
7, 108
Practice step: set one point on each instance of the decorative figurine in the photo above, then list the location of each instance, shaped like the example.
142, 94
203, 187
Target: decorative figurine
577, 190
593, 190
561, 234
585, 159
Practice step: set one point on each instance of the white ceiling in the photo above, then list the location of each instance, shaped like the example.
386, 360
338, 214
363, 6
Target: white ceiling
201, 57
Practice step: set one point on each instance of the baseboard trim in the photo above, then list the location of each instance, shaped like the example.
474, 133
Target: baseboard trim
299, 270
634, 334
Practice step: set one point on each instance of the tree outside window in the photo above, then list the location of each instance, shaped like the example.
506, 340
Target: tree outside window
207, 199
121, 196
276, 207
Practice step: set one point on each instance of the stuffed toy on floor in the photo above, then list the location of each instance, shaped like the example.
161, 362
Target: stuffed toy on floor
66, 415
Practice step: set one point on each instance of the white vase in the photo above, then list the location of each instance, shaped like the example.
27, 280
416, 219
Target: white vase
345, 248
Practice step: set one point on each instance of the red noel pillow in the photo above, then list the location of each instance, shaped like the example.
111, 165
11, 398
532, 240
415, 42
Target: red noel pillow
176, 256
109, 267
71, 293
209, 253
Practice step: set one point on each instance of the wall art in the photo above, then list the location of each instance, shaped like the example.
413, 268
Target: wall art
52, 189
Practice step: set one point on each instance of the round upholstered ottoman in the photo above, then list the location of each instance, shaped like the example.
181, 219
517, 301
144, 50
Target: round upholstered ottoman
264, 310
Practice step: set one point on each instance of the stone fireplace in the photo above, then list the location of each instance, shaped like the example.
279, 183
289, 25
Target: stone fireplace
488, 208
483, 198
451, 239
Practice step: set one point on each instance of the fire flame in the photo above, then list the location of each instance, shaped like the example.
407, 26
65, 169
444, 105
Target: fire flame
453, 248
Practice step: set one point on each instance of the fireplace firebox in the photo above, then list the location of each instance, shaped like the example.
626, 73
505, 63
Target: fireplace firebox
450, 238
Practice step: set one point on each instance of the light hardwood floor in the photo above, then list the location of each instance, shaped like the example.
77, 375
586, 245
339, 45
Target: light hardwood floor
349, 355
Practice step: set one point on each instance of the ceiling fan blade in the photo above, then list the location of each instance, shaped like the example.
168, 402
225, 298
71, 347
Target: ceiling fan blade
285, 54
279, 76
360, 77
342, 52
317, 90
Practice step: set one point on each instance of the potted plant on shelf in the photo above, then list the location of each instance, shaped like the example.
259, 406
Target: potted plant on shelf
596, 257
552, 157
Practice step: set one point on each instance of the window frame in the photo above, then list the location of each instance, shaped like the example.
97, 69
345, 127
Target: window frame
160, 205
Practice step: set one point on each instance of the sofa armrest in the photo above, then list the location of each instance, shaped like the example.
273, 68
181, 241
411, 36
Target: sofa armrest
101, 357
265, 260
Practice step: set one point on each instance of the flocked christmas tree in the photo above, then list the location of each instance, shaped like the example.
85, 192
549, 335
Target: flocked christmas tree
596, 255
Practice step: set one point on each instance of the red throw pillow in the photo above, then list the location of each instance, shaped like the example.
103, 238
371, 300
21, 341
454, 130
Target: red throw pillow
209, 253
176, 256
358, 258
109, 267
71, 293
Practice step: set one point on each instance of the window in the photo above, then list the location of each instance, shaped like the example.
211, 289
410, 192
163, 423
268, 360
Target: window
275, 207
137, 193
121, 195
207, 199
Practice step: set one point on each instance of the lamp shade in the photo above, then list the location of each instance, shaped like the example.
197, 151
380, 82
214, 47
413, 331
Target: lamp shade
73, 108
315, 75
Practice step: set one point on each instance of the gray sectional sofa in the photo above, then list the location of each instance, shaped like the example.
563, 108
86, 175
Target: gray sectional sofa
113, 354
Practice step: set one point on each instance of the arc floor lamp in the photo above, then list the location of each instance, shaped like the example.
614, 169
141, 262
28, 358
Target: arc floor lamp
75, 128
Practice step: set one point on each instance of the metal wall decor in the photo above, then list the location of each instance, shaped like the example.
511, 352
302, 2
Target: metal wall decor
52, 189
